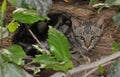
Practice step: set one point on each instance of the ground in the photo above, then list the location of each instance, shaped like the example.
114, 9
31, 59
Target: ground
82, 12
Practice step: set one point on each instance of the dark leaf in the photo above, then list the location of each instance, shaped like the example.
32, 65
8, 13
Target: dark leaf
116, 19
112, 2
11, 70
41, 6
114, 70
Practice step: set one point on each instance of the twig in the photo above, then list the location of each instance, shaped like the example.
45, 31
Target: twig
109, 48
37, 40
94, 69
90, 72
92, 65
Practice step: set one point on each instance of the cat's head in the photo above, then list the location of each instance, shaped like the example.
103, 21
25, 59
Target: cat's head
88, 34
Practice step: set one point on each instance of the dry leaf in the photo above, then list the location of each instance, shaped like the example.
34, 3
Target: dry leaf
68, 0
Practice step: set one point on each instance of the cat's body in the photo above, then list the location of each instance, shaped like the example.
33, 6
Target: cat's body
85, 36
40, 29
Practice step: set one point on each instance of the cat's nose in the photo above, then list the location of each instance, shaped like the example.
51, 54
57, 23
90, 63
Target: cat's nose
87, 44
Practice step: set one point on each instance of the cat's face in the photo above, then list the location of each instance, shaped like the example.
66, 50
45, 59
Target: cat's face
88, 33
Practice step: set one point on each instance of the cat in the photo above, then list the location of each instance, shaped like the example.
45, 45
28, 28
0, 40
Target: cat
22, 36
87, 34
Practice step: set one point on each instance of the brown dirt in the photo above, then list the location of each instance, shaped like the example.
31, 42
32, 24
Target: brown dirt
83, 12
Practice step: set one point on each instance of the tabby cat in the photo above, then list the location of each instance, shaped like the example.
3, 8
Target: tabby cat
88, 34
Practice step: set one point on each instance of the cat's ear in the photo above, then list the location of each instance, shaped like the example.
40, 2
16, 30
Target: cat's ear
100, 22
75, 24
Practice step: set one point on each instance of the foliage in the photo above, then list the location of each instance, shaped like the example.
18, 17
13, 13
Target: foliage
3, 30
101, 69
12, 26
3, 7
115, 46
13, 53
41, 6
58, 44
112, 2
116, 19
27, 16
11, 70
12, 57
93, 1
60, 59
106, 4
114, 70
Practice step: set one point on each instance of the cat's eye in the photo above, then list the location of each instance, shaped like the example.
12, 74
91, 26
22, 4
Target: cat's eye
81, 37
93, 37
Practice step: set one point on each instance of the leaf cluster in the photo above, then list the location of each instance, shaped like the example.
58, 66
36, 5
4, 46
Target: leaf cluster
29, 12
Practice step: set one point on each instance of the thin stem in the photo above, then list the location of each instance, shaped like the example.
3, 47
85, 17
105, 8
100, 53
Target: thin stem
37, 40
1, 30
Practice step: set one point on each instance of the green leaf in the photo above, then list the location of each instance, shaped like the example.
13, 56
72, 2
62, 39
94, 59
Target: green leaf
101, 8
116, 19
13, 53
44, 59
63, 66
93, 1
101, 69
11, 70
1, 19
36, 70
27, 16
114, 70
50, 62
13, 26
59, 45
3, 7
115, 47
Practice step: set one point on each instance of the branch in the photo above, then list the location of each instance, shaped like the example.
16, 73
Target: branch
90, 65
94, 64
94, 69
